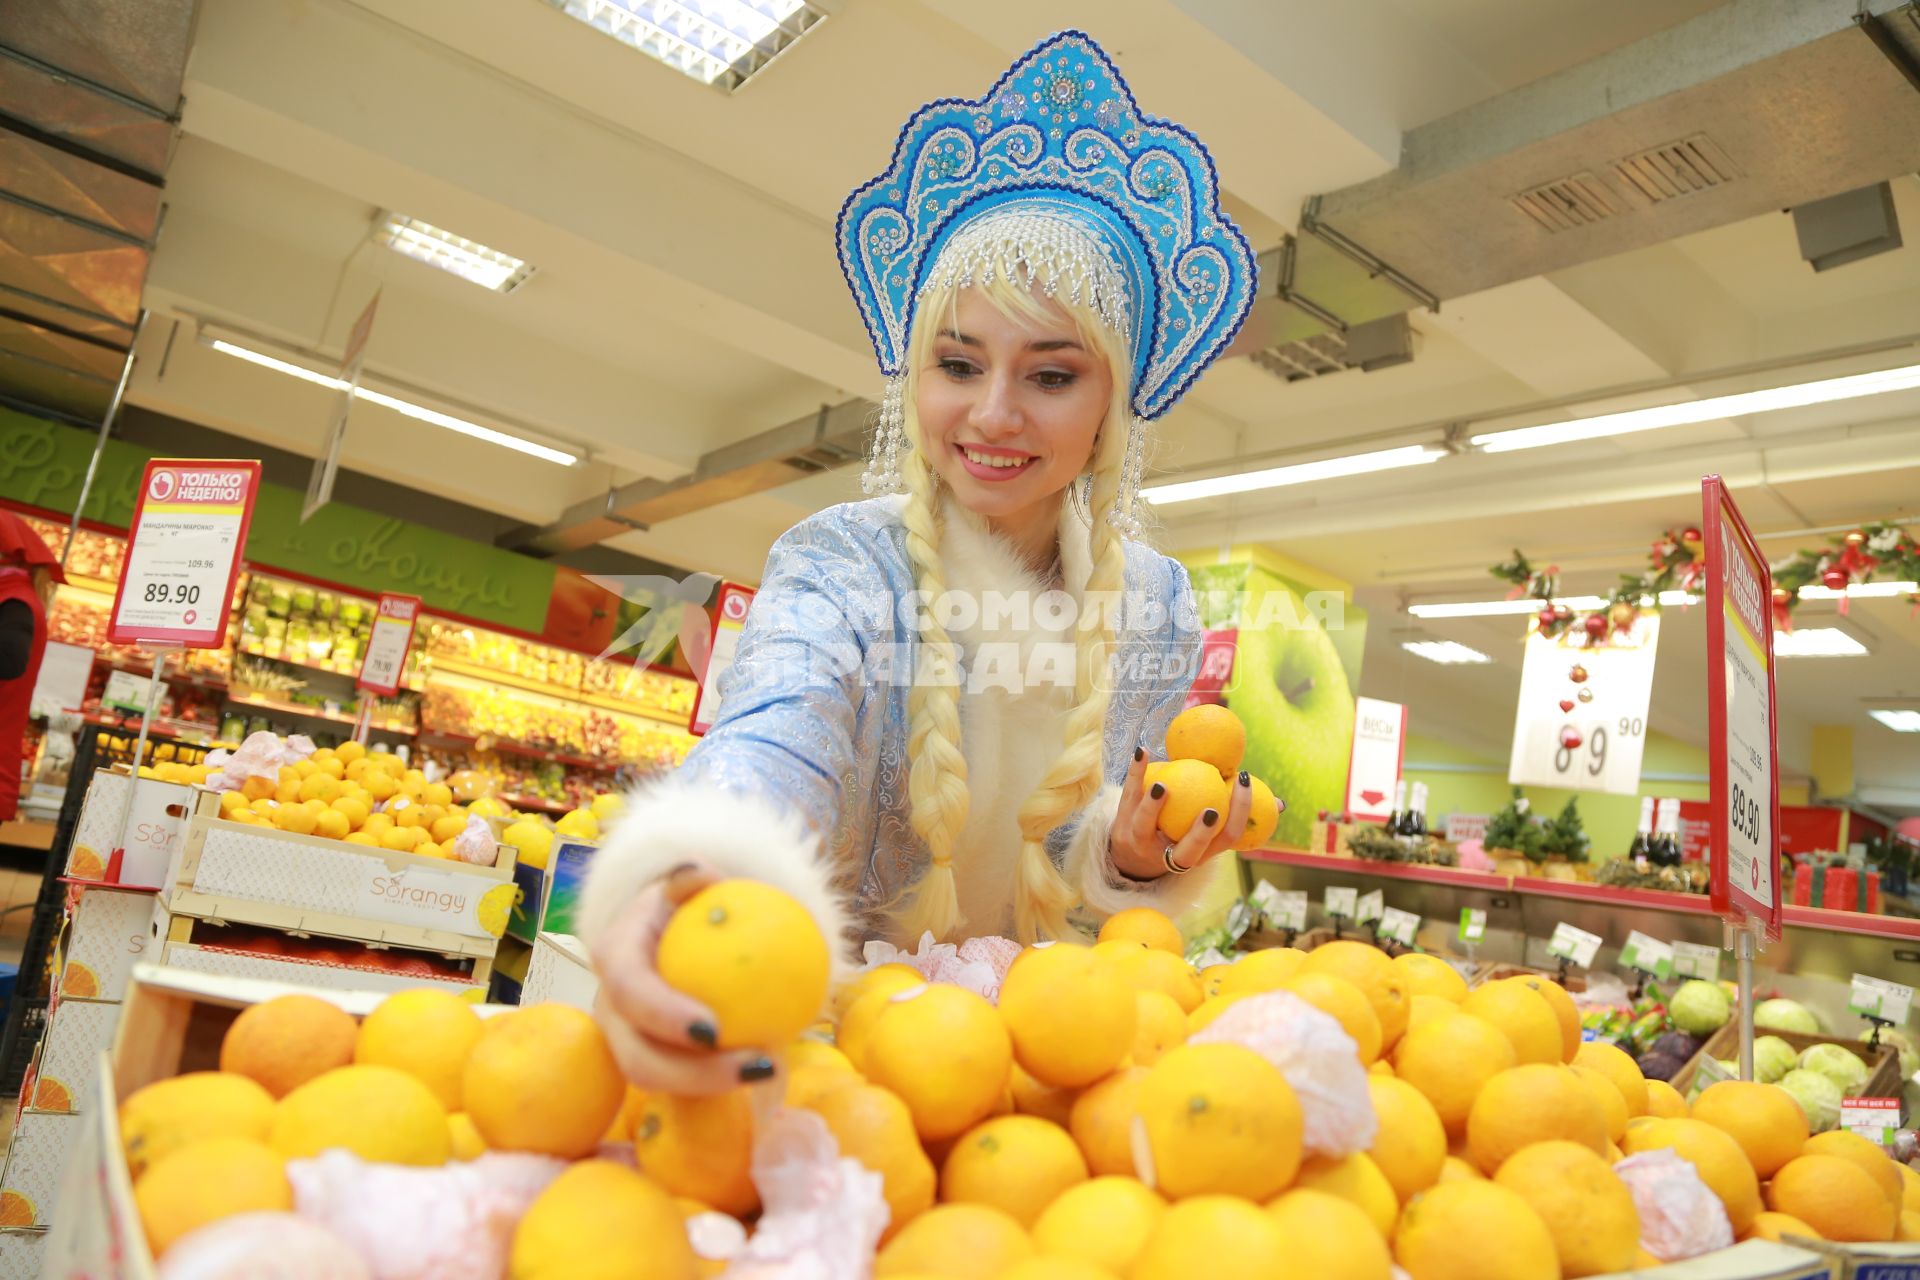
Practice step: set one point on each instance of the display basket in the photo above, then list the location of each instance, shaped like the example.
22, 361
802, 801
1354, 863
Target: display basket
1494, 970
1883, 1064
239, 873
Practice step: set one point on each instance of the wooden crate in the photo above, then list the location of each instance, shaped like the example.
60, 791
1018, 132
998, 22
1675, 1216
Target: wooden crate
244, 874
1883, 1064
1494, 970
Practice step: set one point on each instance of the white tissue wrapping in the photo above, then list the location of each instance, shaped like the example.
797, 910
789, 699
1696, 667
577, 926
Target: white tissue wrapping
451, 1223
262, 1246
1319, 1060
1680, 1217
978, 964
476, 842
260, 756
822, 1212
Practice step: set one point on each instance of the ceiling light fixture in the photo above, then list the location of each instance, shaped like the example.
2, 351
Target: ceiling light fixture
419, 412
721, 42
1817, 642
1795, 396
468, 259
1499, 608
1445, 652
1898, 721
1358, 464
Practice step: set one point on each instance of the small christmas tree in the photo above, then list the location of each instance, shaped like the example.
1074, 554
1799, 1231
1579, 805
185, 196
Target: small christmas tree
1566, 836
1513, 830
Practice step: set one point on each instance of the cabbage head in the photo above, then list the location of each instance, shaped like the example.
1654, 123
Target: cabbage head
1773, 1058
1701, 1008
1817, 1095
1786, 1015
1837, 1063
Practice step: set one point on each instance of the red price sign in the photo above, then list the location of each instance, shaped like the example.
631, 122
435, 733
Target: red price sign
183, 554
729, 620
386, 656
1743, 725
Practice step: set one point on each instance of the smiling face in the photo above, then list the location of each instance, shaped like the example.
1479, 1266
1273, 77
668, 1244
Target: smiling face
1009, 407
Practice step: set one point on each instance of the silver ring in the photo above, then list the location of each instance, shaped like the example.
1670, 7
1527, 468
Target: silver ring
1173, 868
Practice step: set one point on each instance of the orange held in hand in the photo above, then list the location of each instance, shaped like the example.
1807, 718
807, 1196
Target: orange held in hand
1192, 787
753, 956
1210, 734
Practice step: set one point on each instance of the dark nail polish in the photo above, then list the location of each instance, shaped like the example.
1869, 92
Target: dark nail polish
1210, 817
1157, 790
703, 1033
756, 1069
1139, 754
1245, 781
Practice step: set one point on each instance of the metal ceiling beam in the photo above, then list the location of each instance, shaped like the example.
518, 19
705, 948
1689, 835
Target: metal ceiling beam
822, 441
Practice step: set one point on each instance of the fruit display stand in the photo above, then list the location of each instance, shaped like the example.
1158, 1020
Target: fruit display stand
561, 972
247, 874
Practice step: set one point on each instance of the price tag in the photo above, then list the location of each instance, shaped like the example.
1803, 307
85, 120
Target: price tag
1399, 925
1239, 919
1577, 945
1288, 910
1340, 901
1710, 1072
386, 655
1692, 960
1649, 955
189, 527
1263, 897
1877, 998
1370, 906
1595, 745
1473, 924
126, 691
1875, 1119
1210, 957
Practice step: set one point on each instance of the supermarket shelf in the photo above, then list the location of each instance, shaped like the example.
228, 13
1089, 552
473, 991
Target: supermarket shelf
307, 666
136, 669
600, 701
508, 747
1872, 926
241, 698
535, 803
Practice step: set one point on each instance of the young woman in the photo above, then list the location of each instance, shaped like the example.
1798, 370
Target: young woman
944, 698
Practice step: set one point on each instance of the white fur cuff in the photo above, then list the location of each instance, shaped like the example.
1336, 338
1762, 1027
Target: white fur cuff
737, 833
1104, 890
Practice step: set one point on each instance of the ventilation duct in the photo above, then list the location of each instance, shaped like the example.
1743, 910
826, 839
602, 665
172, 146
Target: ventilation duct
1753, 107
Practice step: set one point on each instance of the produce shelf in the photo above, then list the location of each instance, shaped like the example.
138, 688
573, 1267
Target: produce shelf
506, 746
308, 666
600, 702
245, 698
535, 803
1858, 922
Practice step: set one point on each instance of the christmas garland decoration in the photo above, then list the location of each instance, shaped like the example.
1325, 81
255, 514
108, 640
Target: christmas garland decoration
1677, 559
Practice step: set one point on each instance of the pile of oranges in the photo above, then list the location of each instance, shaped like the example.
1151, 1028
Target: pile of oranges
1077, 1130
339, 792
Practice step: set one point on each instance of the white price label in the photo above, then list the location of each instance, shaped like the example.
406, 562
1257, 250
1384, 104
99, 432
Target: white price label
1340, 901
1577, 945
1649, 955
1586, 734
1877, 998
1289, 910
1693, 960
126, 691
1473, 924
1370, 906
1373, 769
1875, 1119
189, 527
1210, 957
1263, 898
386, 655
1401, 926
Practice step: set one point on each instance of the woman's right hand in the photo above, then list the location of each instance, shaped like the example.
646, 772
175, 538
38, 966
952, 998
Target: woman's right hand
662, 1039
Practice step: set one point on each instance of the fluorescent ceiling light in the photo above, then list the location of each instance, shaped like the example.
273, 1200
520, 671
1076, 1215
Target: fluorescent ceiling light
714, 41
468, 259
1816, 642
1444, 651
1861, 590
544, 452
1498, 608
1796, 396
1898, 721
1358, 464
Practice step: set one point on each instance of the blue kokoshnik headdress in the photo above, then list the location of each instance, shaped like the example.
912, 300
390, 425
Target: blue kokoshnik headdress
1054, 176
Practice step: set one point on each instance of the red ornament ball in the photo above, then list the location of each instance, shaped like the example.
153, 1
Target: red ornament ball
1835, 579
1596, 625
1570, 739
1547, 618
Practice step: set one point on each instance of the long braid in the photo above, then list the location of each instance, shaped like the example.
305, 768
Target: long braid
1042, 895
937, 780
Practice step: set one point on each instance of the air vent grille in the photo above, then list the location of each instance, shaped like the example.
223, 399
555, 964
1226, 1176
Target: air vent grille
1313, 357
1568, 203
1676, 169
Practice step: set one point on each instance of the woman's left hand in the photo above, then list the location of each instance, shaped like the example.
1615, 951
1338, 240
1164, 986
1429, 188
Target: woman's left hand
1141, 851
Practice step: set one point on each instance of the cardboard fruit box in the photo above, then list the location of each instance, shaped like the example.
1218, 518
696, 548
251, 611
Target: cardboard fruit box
154, 829
1883, 1064
245, 874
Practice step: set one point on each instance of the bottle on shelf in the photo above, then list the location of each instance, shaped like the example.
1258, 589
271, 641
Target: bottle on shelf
1665, 851
1413, 825
1637, 852
1399, 807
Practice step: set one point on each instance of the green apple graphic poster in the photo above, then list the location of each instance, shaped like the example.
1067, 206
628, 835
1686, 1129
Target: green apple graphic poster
1299, 643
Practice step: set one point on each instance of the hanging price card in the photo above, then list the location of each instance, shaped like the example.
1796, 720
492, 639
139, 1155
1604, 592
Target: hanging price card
1693, 960
1877, 998
1370, 906
1587, 735
183, 553
126, 692
1473, 924
1875, 1119
1340, 901
1648, 955
386, 655
1283, 909
1577, 945
1399, 925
